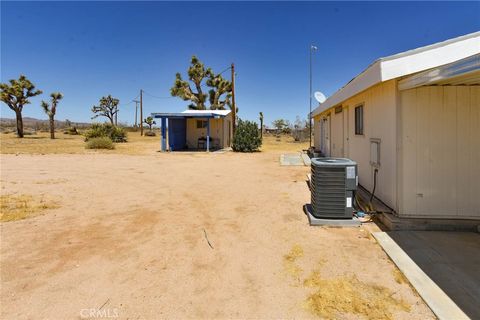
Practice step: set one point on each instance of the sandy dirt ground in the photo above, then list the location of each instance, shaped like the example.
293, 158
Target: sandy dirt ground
128, 237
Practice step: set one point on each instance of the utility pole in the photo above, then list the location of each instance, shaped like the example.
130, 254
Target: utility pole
234, 106
312, 48
141, 112
136, 111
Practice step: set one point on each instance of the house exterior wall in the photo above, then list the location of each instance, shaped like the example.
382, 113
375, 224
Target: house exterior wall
218, 132
439, 154
379, 112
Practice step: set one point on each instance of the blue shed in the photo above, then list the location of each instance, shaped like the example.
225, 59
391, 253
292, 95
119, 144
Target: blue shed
201, 130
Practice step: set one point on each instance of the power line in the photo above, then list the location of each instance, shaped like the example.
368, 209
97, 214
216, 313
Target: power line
157, 97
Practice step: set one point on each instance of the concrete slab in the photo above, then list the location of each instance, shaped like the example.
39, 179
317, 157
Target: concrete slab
306, 159
354, 222
442, 266
291, 159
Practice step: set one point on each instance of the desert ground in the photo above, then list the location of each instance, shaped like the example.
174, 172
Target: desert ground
132, 233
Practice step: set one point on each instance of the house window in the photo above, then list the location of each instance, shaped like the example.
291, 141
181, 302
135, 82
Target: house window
359, 120
201, 124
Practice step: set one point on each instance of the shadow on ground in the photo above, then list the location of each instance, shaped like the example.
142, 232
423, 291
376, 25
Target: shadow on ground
451, 260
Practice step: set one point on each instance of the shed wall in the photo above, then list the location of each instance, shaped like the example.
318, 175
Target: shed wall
193, 133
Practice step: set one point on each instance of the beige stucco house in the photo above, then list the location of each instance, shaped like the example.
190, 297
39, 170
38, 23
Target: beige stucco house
415, 117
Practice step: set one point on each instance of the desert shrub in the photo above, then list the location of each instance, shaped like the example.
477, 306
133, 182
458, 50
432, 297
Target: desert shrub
150, 134
247, 137
71, 131
100, 143
116, 134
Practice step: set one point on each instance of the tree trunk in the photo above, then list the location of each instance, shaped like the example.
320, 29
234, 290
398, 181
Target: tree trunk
52, 127
261, 129
19, 124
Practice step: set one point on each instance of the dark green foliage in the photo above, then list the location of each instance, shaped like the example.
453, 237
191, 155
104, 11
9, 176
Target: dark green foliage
149, 122
15, 95
100, 143
282, 126
97, 130
218, 96
247, 137
107, 107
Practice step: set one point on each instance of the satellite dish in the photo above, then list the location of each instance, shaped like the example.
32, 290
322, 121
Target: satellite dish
320, 97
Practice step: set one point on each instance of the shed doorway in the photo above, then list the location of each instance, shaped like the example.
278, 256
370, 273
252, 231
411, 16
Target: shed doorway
177, 134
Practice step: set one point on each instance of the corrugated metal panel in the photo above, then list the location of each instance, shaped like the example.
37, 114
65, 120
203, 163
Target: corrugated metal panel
440, 152
462, 72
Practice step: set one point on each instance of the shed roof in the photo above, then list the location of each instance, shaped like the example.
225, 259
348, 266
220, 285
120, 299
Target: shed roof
406, 63
192, 114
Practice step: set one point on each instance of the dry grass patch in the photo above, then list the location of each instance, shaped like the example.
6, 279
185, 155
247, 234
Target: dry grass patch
399, 276
18, 207
348, 295
331, 298
289, 261
73, 144
285, 143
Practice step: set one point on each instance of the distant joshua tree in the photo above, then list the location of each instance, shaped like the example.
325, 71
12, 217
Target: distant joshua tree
108, 107
15, 95
51, 109
150, 122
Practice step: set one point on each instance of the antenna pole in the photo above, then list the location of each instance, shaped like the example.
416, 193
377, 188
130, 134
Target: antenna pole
310, 113
141, 112
234, 106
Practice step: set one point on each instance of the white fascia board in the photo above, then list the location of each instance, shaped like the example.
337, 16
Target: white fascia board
465, 67
369, 77
405, 63
401, 66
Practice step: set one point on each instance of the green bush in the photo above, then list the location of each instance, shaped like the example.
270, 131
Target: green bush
247, 137
100, 143
116, 134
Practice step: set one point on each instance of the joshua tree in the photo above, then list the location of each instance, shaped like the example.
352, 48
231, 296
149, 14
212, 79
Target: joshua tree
261, 125
108, 107
15, 95
218, 96
150, 122
51, 109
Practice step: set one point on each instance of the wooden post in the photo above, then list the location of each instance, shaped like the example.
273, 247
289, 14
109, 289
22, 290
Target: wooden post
234, 106
164, 134
208, 134
141, 112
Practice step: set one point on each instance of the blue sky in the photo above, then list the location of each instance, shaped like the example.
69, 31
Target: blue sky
90, 49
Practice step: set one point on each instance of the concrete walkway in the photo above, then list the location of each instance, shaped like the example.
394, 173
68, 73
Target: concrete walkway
294, 159
442, 266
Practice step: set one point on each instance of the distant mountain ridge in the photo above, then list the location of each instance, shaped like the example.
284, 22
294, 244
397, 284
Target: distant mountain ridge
34, 122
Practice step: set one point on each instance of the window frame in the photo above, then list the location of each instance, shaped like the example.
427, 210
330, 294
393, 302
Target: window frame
204, 123
359, 120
